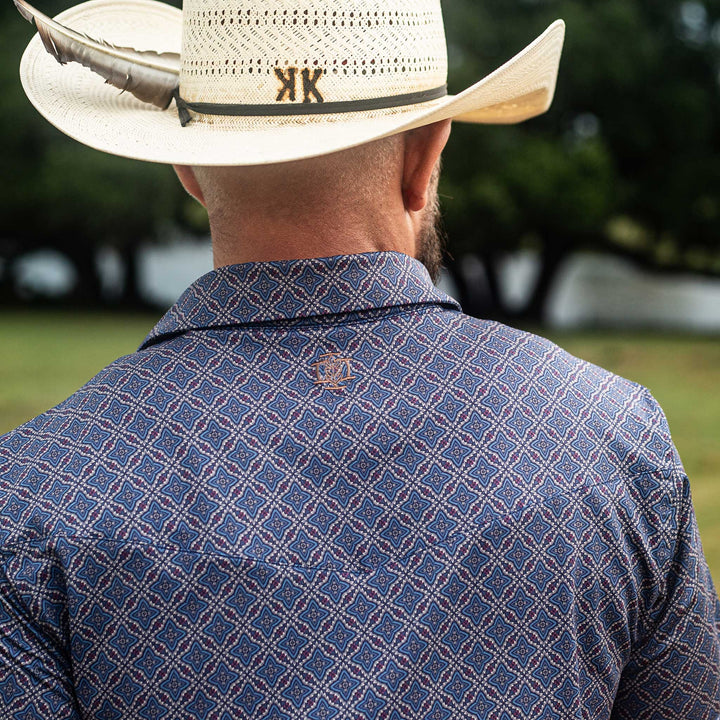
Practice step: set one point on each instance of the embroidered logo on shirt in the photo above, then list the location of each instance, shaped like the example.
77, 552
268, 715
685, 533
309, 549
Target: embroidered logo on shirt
333, 371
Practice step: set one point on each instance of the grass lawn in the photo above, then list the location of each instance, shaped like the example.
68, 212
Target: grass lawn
46, 356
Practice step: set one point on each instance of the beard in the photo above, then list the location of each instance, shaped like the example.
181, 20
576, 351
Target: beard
431, 239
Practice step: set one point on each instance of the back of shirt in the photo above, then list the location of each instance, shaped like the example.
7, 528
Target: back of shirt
320, 491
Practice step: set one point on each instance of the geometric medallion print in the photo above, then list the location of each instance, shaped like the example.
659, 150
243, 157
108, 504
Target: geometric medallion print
318, 490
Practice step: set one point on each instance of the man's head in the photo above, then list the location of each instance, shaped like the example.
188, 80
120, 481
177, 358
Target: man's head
334, 153
374, 197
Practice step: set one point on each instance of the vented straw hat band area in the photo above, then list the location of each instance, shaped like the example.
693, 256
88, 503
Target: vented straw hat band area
257, 83
321, 107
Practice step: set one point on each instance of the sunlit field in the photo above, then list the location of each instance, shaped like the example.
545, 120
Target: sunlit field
45, 357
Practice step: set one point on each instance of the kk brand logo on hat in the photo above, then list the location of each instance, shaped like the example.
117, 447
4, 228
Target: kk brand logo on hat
225, 82
310, 79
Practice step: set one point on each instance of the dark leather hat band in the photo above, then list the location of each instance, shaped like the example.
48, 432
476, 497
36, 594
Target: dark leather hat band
305, 108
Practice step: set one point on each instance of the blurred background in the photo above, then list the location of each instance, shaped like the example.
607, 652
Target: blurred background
597, 225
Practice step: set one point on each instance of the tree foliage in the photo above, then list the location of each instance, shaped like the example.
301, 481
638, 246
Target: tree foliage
59, 194
625, 161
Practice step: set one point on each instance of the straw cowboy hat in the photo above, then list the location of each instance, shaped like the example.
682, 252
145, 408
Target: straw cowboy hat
247, 83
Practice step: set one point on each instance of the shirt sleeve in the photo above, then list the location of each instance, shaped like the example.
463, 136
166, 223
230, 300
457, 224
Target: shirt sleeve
35, 669
675, 671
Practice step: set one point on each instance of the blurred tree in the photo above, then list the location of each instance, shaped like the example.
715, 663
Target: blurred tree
625, 160
67, 197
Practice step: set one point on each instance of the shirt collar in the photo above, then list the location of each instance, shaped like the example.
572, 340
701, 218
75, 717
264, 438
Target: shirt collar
293, 289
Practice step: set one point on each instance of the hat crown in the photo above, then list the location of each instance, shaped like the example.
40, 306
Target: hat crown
279, 52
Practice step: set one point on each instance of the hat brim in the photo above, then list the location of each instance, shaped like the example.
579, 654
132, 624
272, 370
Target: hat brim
82, 106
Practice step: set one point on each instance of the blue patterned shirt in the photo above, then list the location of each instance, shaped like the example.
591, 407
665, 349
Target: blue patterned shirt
319, 491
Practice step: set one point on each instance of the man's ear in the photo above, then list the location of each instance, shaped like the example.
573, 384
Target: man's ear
423, 147
189, 182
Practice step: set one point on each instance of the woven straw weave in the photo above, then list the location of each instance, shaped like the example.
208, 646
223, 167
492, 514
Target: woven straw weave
233, 51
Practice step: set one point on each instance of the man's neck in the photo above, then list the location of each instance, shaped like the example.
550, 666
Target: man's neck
268, 239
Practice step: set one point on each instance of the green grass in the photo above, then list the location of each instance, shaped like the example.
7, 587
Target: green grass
46, 356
